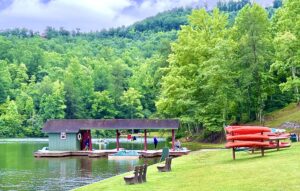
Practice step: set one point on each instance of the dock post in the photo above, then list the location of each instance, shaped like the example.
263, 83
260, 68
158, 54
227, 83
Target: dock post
118, 146
145, 140
173, 140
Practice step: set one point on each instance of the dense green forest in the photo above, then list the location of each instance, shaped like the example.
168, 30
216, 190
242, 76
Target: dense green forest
209, 69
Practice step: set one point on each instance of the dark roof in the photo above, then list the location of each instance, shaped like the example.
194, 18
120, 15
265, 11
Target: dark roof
74, 125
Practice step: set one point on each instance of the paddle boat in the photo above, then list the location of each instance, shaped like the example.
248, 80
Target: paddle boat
124, 155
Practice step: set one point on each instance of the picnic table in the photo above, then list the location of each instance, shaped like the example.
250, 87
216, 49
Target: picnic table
277, 139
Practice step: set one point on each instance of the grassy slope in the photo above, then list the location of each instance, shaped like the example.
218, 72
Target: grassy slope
215, 170
289, 113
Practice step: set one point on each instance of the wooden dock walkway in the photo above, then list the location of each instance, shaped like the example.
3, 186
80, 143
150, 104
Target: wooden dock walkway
105, 153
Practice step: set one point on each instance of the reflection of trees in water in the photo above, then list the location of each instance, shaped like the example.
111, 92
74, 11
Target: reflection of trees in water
64, 167
85, 167
123, 165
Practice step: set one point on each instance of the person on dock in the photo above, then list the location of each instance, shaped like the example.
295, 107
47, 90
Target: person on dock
177, 145
87, 143
155, 142
129, 137
134, 138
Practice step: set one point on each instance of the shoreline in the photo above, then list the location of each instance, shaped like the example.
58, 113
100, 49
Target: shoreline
130, 172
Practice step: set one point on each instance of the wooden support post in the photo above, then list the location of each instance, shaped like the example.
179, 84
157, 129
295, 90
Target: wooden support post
90, 141
118, 144
233, 153
233, 149
173, 140
262, 148
145, 140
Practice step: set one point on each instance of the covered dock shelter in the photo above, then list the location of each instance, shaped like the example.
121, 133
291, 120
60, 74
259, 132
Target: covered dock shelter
70, 134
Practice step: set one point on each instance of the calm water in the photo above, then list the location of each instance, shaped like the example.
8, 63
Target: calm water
19, 170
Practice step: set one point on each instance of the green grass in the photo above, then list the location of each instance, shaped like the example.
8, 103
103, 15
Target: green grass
193, 146
164, 134
215, 170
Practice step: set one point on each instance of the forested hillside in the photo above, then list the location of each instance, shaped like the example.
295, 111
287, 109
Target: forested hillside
113, 73
222, 67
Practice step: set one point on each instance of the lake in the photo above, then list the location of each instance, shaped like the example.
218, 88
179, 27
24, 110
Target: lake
20, 170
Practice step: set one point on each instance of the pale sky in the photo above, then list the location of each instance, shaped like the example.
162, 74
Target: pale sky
88, 15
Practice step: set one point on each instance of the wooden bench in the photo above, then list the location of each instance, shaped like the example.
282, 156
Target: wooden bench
144, 173
133, 179
165, 167
139, 175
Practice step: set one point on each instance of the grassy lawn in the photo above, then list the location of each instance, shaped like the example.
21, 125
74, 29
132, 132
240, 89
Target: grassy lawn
215, 170
193, 146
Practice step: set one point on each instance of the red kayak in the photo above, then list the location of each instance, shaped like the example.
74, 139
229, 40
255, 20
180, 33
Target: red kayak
282, 135
250, 137
247, 129
281, 145
246, 144
229, 128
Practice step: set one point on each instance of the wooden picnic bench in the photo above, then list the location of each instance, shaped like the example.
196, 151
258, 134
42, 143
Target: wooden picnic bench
138, 176
165, 167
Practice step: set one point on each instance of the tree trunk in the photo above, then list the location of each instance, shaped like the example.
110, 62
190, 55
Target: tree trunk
296, 89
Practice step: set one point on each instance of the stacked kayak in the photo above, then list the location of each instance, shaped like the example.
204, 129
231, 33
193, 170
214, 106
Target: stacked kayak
252, 137
247, 136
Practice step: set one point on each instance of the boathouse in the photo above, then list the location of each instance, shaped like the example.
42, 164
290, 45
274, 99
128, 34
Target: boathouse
72, 134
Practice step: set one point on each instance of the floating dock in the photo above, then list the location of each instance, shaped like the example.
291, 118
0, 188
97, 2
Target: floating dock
105, 153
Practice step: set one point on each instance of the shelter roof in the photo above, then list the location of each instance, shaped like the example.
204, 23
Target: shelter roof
74, 125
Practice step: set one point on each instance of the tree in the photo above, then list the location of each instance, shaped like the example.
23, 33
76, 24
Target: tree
287, 59
5, 81
103, 106
29, 53
101, 74
19, 78
52, 105
25, 105
131, 104
10, 120
193, 88
287, 44
277, 4
120, 72
5, 46
252, 34
79, 89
